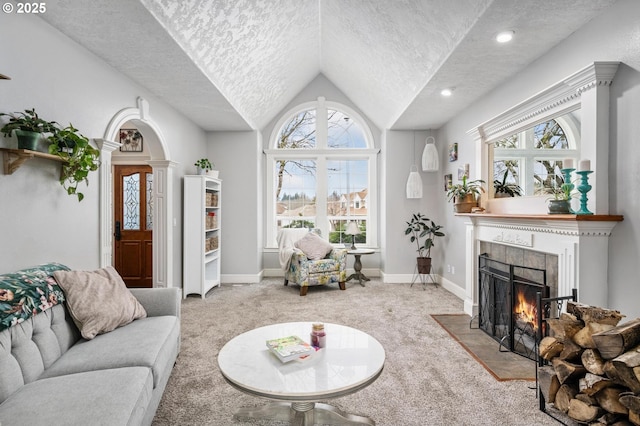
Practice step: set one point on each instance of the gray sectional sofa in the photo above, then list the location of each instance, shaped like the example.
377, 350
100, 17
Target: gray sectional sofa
51, 375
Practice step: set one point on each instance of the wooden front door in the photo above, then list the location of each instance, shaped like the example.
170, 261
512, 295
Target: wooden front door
133, 224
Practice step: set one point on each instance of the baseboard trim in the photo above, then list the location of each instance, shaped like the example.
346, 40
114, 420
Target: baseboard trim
241, 278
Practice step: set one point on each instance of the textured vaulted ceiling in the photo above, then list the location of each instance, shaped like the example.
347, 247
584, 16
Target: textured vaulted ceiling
234, 65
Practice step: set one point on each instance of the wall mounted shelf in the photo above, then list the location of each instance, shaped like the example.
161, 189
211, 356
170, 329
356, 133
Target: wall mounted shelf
14, 158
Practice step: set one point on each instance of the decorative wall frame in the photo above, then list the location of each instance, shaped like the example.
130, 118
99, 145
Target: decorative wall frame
448, 181
131, 140
453, 152
463, 171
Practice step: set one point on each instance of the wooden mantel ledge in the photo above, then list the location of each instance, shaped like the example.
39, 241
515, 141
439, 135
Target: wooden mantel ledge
548, 217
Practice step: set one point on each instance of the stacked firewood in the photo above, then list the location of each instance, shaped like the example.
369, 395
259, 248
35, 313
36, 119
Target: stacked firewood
593, 370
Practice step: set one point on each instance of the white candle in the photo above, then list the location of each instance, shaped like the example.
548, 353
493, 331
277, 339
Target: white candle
567, 163
584, 165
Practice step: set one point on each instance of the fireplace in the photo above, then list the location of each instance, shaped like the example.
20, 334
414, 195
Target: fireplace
507, 303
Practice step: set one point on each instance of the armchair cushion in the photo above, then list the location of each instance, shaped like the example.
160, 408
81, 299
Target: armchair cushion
313, 246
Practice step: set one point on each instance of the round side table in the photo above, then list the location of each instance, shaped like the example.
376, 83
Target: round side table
357, 265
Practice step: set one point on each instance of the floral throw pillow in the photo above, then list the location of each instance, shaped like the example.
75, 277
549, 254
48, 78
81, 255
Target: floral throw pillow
98, 301
27, 292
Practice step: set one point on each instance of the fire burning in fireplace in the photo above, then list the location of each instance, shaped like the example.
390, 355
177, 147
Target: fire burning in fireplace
525, 311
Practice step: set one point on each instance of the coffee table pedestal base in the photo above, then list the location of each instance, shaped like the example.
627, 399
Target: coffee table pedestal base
303, 414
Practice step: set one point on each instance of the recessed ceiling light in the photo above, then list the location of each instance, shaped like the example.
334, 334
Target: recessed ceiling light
505, 36
446, 92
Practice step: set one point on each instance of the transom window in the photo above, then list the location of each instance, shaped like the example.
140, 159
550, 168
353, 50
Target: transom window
319, 172
533, 157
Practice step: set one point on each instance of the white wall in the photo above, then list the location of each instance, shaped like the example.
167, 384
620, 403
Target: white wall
613, 36
39, 222
238, 157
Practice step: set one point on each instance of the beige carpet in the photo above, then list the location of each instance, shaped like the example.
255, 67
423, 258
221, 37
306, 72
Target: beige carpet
502, 365
428, 379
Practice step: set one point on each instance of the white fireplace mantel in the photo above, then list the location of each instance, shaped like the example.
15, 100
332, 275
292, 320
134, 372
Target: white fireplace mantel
581, 243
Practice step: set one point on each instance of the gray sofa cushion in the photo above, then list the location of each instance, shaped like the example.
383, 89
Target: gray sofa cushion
29, 347
148, 342
106, 397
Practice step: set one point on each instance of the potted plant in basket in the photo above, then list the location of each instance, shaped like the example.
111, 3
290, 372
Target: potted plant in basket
504, 189
465, 194
80, 158
28, 127
423, 231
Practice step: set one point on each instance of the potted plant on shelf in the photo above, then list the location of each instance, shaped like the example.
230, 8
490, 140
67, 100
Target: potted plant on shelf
560, 203
465, 195
423, 231
28, 127
504, 189
204, 166
79, 156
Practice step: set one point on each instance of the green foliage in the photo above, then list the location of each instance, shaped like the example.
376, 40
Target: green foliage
204, 163
423, 231
27, 121
461, 190
80, 158
511, 189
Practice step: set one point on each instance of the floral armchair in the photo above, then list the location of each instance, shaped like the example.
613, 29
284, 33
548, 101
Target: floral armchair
303, 264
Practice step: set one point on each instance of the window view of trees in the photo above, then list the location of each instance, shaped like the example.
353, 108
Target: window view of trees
533, 157
321, 182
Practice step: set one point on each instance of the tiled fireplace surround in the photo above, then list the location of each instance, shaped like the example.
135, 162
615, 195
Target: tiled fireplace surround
572, 249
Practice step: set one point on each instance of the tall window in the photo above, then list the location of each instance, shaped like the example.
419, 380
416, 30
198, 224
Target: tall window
533, 158
320, 170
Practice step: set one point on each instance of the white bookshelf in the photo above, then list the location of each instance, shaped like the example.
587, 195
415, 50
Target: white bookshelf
201, 234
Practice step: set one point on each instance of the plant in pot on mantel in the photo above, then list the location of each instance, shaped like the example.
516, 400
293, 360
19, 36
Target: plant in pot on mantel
28, 127
423, 231
560, 203
80, 158
465, 195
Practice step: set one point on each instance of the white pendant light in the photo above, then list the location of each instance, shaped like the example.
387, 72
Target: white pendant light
430, 161
414, 183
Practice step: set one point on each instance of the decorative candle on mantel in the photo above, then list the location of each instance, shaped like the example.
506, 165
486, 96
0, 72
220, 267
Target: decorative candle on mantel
584, 165
567, 163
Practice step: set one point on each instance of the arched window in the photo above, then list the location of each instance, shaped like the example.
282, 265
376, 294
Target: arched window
533, 157
321, 173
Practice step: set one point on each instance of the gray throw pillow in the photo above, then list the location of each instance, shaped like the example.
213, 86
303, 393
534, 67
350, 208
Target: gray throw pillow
98, 301
313, 246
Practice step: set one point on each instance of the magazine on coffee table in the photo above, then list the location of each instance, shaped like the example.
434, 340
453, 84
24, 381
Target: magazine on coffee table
290, 348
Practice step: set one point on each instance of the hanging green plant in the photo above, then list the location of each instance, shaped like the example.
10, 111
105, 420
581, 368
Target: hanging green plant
80, 158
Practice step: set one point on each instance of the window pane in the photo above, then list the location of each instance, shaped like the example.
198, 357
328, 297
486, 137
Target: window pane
299, 132
512, 167
512, 141
347, 187
547, 176
149, 201
131, 205
295, 193
549, 135
343, 132
339, 225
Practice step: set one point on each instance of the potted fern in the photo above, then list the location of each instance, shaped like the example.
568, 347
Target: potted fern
423, 231
80, 158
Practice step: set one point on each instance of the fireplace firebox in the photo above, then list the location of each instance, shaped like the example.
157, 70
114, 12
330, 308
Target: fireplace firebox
507, 304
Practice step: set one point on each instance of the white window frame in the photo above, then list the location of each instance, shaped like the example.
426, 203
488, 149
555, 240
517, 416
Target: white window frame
320, 154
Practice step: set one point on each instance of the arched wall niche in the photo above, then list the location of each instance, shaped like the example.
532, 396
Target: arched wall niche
162, 167
587, 90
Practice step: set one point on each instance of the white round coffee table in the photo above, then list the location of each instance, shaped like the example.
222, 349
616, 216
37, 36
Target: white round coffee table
351, 361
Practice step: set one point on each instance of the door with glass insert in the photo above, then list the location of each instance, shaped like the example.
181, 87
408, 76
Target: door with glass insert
133, 224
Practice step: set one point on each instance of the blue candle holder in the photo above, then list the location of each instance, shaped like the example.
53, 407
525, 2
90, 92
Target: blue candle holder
567, 182
584, 187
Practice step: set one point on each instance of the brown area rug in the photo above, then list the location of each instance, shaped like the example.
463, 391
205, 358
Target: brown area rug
502, 365
428, 378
